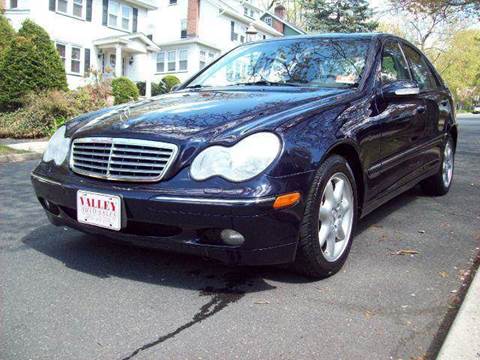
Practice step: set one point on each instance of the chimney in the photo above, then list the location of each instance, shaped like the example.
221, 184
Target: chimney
280, 11
193, 14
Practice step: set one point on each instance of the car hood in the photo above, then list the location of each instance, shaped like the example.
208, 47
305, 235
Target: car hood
199, 115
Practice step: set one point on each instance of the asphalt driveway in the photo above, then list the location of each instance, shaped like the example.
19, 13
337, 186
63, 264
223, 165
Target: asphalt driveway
66, 295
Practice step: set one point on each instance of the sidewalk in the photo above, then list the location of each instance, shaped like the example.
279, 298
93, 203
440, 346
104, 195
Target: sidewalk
32, 150
463, 339
31, 146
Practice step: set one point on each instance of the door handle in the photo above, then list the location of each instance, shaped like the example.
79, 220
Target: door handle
421, 109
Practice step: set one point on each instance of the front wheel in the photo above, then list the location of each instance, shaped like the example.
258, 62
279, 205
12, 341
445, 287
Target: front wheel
439, 184
329, 220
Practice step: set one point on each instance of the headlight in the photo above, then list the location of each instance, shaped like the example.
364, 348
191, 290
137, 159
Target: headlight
57, 148
246, 159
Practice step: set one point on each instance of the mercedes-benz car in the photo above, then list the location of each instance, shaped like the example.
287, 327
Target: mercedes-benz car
269, 155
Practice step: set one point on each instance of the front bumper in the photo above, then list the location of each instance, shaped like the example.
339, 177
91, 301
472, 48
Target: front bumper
186, 224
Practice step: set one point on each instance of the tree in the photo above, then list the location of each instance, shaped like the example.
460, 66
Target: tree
460, 5
53, 66
338, 16
6, 34
30, 64
459, 66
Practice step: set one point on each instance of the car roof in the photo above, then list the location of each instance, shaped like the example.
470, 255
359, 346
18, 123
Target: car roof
365, 36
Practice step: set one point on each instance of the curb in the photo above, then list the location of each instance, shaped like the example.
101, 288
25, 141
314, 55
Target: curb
463, 339
8, 158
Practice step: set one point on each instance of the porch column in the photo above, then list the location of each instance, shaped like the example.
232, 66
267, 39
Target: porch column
149, 75
118, 61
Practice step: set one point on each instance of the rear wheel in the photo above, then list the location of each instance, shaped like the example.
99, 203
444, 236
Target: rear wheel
329, 219
439, 184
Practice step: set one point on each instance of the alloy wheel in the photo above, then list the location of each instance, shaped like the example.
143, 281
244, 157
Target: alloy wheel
447, 166
336, 216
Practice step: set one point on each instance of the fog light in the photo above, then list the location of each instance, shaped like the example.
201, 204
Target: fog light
232, 237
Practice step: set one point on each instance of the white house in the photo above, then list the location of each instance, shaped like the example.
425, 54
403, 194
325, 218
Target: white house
105, 35
145, 40
194, 32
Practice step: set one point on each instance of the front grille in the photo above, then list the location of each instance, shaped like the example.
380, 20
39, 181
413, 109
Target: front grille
121, 159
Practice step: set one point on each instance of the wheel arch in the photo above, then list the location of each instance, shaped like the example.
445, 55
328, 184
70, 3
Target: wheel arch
349, 151
453, 131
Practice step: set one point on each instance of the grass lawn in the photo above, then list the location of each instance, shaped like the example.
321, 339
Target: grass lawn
4, 150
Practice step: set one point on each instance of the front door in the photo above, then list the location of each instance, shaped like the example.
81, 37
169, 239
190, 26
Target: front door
403, 127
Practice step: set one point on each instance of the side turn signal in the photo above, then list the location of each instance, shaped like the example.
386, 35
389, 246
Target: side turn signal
286, 200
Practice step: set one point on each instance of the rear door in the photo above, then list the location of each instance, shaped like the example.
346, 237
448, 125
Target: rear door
403, 125
437, 103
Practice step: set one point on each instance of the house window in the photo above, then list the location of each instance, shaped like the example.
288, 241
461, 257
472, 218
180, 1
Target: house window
183, 29
233, 35
161, 61
62, 6
62, 51
78, 8
126, 16
203, 59
268, 20
13, 4
171, 60
119, 16
75, 63
182, 59
173, 2
245, 11
113, 61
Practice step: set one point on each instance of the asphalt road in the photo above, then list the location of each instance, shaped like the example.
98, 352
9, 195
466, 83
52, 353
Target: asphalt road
65, 295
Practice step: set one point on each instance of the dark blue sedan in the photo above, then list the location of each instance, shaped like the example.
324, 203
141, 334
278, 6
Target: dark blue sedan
269, 155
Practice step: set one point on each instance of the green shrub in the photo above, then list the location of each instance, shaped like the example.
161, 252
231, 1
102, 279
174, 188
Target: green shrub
7, 34
157, 88
30, 64
43, 113
170, 81
124, 90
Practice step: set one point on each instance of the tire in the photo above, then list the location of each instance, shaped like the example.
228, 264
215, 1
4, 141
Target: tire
439, 184
314, 259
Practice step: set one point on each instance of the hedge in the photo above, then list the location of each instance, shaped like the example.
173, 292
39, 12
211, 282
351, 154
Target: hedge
124, 90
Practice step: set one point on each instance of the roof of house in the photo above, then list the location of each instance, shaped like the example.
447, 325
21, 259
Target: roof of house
227, 9
290, 25
147, 4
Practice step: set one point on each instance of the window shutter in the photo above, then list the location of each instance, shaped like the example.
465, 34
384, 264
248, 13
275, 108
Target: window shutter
89, 10
51, 5
135, 20
86, 67
105, 12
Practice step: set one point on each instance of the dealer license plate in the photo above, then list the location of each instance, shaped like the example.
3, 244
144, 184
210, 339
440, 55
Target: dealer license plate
99, 210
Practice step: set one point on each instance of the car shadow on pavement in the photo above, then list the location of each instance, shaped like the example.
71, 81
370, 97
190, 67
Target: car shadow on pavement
391, 206
104, 258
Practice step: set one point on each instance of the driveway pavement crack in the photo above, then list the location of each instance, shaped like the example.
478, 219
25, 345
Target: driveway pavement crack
221, 298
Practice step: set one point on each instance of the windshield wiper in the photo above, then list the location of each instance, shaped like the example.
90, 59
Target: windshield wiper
197, 86
266, 83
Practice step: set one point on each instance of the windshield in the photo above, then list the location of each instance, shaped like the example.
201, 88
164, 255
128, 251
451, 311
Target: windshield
305, 62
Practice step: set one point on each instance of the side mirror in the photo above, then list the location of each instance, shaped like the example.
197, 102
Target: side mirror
401, 88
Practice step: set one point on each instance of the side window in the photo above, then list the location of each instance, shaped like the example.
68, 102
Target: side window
420, 70
394, 66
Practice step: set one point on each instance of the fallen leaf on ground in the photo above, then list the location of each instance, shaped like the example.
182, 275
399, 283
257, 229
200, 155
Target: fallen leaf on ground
443, 274
262, 302
377, 226
405, 252
368, 314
